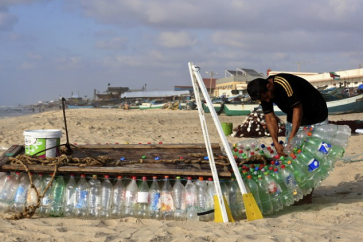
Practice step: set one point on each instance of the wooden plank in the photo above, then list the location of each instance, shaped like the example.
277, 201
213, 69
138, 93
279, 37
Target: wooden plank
13, 151
134, 153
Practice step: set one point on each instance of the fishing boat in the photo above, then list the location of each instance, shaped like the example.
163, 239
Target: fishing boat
154, 104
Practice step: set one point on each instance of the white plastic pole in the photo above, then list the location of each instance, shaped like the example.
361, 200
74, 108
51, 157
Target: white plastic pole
207, 143
220, 131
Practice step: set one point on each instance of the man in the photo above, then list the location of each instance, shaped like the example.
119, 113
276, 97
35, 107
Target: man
303, 104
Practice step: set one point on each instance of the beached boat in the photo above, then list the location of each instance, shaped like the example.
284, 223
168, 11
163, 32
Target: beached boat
154, 104
241, 109
217, 107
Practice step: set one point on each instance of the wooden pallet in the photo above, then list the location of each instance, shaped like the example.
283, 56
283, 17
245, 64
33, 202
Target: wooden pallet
144, 153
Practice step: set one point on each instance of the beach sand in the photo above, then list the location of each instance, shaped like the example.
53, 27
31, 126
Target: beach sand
336, 213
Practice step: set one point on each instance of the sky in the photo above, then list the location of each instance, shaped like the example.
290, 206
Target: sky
56, 48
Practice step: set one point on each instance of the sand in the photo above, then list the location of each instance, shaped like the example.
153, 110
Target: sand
336, 213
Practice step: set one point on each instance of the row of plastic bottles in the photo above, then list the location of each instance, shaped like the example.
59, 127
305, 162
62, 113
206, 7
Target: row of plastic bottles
93, 198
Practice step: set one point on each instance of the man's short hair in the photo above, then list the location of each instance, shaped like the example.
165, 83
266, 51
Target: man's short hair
256, 87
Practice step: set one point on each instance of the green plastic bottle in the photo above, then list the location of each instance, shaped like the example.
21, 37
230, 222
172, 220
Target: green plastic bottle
265, 198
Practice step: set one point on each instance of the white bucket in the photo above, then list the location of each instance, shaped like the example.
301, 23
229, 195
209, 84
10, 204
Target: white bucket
42, 139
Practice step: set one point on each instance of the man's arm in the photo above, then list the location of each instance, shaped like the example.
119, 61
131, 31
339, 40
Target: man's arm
274, 129
297, 114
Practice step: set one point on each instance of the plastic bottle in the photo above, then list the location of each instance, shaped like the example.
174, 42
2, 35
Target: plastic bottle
32, 199
310, 166
265, 198
118, 199
225, 189
166, 200
236, 201
201, 195
275, 191
56, 209
286, 196
191, 200
44, 209
252, 187
304, 184
291, 183
82, 193
179, 200
154, 197
21, 193
8, 192
70, 197
143, 199
94, 197
211, 191
106, 198
131, 198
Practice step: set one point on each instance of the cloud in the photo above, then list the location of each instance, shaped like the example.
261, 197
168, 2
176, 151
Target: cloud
68, 62
28, 65
114, 43
34, 56
7, 21
176, 39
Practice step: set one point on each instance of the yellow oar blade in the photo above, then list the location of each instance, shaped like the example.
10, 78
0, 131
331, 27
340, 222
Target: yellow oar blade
217, 211
253, 212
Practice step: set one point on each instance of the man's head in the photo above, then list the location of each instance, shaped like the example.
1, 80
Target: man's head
260, 89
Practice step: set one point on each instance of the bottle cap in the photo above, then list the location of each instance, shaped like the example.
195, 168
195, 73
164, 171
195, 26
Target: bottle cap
144, 178
276, 170
134, 178
119, 177
240, 151
189, 178
106, 176
249, 176
83, 175
263, 146
282, 166
178, 177
210, 179
200, 178
155, 177
94, 176
166, 177
267, 173
289, 162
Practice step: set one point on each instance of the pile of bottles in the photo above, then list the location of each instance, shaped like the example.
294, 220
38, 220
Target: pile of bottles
312, 154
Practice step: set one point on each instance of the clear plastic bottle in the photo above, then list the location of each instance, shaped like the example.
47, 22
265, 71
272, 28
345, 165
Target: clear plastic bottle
56, 209
191, 200
21, 193
179, 200
118, 199
291, 183
32, 199
275, 192
44, 209
286, 196
82, 192
131, 198
166, 200
3, 177
304, 184
236, 201
94, 197
201, 197
143, 199
211, 191
70, 197
154, 196
253, 188
225, 189
8, 192
106, 198
265, 198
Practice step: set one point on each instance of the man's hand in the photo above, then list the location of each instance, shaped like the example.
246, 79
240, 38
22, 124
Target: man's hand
280, 149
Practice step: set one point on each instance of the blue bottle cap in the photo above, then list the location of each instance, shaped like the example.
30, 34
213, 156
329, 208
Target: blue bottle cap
122, 158
206, 158
157, 158
263, 146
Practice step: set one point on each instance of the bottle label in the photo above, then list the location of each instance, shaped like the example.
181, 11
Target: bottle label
46, 201
166, 201
313, 164
19, 196
324, 148
142, 197
272, 187
154, 201
290, 181
82, 199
